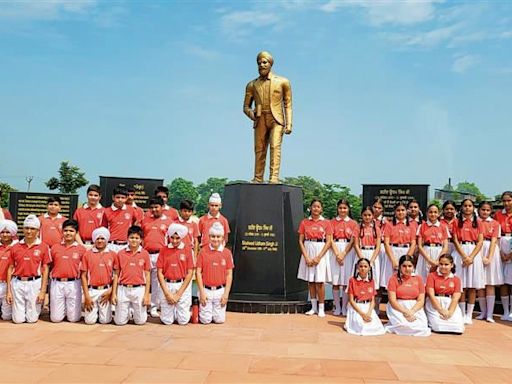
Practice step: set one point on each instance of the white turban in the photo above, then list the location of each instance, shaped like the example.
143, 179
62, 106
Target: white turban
216, 229
215, 198
100, 232
179, 229
31, 221
10, 225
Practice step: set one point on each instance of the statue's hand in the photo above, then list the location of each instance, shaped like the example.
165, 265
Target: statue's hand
287, 130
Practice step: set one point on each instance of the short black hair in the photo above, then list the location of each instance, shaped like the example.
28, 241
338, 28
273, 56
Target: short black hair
130, 189
161, 188
187, 204
70, 223
94, 188
119, 190
157, 200
136, 229
53, 199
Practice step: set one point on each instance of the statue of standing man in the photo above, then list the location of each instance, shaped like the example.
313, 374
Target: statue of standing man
272, 116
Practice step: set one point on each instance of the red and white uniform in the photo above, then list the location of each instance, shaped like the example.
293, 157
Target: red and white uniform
206, 222
168, 211
175, 263
138, 213
471, 276
343, 230
367, 236
51, 229
132, 280
99, 267
214, 265
315, 234
193, 232
451, 227
88, 219
407, 292
28, 263
4, 266
434, 236
505, 220
444, 288
65, 285
493, 272
118, 221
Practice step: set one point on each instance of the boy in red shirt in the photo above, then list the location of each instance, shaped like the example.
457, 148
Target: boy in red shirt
130, 201
51, 222
214, 276
8, 230
185, 218
117, 219
65, 292
132, 280
27, 276
213, 215
163, 192
89, 216
155, 231
97, 270
175, 270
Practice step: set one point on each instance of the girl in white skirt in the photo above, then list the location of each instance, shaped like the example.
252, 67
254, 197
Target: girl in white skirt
367, 244
493, 268
432, 242
449, 218
380, 223
399, 240
315, 236
468, 239
361, 317
504, 217
443, 293
406, 294
342, 257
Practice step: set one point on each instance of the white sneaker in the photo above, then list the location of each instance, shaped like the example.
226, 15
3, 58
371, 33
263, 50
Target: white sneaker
481, 316
321, 313
468, 320
336, 312
311, 312
509, 317
154, 312
490, 320
504, 317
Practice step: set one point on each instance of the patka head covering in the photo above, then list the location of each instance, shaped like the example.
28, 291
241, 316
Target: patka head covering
31, 221
215, 198
100, 232
179, 229
10, 225
266, 55
216, 229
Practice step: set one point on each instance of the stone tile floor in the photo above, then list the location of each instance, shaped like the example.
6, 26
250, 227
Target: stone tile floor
249, 348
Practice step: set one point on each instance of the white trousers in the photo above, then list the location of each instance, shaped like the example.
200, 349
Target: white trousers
130, 298
179, 311
24, 306
6, 308
212, 311
103, 312
65, 301
156, 292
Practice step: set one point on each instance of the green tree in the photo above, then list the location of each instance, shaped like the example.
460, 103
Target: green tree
436, 202
70, 179
311, 189
181, 189
468, 187
204, 190
5, 188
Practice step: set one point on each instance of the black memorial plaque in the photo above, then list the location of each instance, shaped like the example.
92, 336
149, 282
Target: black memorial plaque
264, 219
144, 188
392, 194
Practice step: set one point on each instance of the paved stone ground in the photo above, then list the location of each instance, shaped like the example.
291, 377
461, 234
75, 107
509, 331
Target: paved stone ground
249, 348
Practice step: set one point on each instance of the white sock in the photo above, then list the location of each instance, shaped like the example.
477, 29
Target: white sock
462, 306
336, 299
469, 312
505, 303
490, 306
320, 307
344, 300
314, 305
482, 303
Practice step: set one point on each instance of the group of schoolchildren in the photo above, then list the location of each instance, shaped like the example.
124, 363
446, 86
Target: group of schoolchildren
432, 268
116, 262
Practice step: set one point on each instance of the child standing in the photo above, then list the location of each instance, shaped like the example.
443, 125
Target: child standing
504, 217
213, 215
51, 222
185, 218
367, 245
118, 218
315, 236
450, 219
8, 231
89, 216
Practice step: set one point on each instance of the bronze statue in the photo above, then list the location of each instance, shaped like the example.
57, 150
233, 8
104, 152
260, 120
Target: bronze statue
272, 116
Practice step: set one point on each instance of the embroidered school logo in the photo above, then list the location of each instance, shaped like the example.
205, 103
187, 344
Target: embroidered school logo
452, 284
223, 262
109, 263
37, 252
141, 262
127, 216
98, 216
182, 257
370, 289
75, 255
163, 227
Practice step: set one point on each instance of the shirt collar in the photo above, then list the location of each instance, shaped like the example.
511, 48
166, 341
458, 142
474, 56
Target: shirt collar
437, 224
181, 245
86, 206
468, 218
15, 241
47, 216
440, 274
210, 216
114, 208
182, 220
74, 244
220, 249
37, 242
129, 251
96, 250
346, 219
359, 278
404, 221
319, 219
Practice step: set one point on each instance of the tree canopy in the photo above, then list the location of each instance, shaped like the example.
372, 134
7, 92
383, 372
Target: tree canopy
70, 179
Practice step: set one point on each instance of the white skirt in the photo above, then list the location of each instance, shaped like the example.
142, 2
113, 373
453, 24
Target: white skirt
505, 245
387, 267
493, 273
454, 324
422, 266
471, 276
398, 323
348, 266
367, 254
337, 270
320, 273
355, 324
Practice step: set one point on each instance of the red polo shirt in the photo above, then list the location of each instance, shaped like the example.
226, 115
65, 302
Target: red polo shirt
315, 229
343, 228
193, 230
468, 232
206, 222
131, 266
410, 288
175, 262
155, 231
362, 290
433, 232
442, 285
505, 220
368, 235
66, 260
99, 266
490, 228
27, 261
401, 233
51, 229
451, 225
5, 259
118, 221
168, 211
88, 220
214, 265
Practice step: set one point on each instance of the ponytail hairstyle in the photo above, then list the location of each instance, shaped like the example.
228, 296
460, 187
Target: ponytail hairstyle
420, 214
378, 200
345, 202
367, 208
394, 216
402, 260
448, 257
461, 215
370, 271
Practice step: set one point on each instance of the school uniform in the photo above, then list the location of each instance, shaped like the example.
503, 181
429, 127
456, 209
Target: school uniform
451, 228
65, 285
493, 272
367, 236
138, 213
88, 219
381, 223
505, 242
433, 235
342, 232
26, 279
214, 266
206, 222
4, 266
407, 292
471, 276
175, 263
131, 285
118, 221
400, 237
315, 234
155, 238
51, 229
444, 288
363, 291
168, 211
193, 233
99, 267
